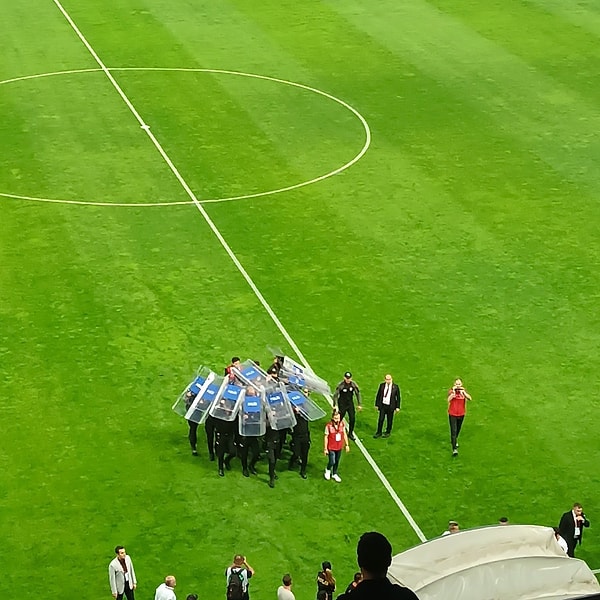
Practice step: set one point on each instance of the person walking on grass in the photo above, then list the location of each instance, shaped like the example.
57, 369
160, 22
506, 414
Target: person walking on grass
335, 440
457, 401
343, 399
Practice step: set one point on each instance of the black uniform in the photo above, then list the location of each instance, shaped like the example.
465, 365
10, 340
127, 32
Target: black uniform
300, 444
272, 440
224, 442
343, 398
245, 444
193, 432
209, 426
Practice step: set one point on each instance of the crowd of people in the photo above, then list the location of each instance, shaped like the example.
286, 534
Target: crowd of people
373, 554
225, 440
374, 557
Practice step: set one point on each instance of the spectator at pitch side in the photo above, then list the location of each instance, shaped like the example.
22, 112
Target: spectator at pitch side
325, 581
374, 556
284, 591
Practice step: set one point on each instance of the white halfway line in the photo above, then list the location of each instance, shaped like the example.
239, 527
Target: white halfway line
229, 251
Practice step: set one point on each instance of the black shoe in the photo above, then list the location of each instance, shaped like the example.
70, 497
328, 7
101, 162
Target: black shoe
377, 435
386, 434
271, 483
253, 469
221, 473
212, 458
455, 452
351, 436
245, 473
303, 475
194, 452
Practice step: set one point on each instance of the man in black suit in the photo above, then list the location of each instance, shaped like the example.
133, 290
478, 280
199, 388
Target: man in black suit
571, 527
387, 402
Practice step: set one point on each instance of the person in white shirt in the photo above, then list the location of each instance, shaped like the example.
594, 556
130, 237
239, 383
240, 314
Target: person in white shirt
165, 591
121, 575
561, 541
284, 592
453, 527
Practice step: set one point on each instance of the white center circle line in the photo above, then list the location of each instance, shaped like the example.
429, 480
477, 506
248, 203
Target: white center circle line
337, 171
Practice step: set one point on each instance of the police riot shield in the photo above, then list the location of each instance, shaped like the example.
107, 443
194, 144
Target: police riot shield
253, 420
198, 411
251, 374
279, 410
190, 393
227, 403
309, 409
303, 377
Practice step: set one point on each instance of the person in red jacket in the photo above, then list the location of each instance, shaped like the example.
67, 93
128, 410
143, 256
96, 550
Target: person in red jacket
334, 442
457, 401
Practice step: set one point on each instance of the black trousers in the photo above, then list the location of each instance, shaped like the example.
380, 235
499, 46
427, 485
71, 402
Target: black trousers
224, 446
300, 448
272, 448
386, 413
128, 593
209, 426
245, 444
193, 434
455, 426
348, 408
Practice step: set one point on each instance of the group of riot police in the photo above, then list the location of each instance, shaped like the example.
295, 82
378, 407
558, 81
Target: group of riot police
227, 439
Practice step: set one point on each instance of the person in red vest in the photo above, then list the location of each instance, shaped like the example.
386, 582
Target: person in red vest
335, 441
457, 401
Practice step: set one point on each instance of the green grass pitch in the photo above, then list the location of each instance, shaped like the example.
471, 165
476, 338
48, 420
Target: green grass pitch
464, 242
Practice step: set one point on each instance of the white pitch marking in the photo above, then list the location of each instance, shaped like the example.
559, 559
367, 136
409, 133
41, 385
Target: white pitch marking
233, 257
104, 204
211, 200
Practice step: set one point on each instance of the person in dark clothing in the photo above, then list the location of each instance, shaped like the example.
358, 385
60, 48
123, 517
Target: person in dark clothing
209, 428
343, 399
300, 443
276, 365
571, 527
352, 585
325, 581
272, 441
374, 556
387, 402
224, 443
247, 443
193, 427
235, 362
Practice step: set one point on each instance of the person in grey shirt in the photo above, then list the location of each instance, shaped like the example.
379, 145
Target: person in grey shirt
284, 592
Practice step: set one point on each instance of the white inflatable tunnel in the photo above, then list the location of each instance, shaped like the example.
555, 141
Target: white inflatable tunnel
505, 562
